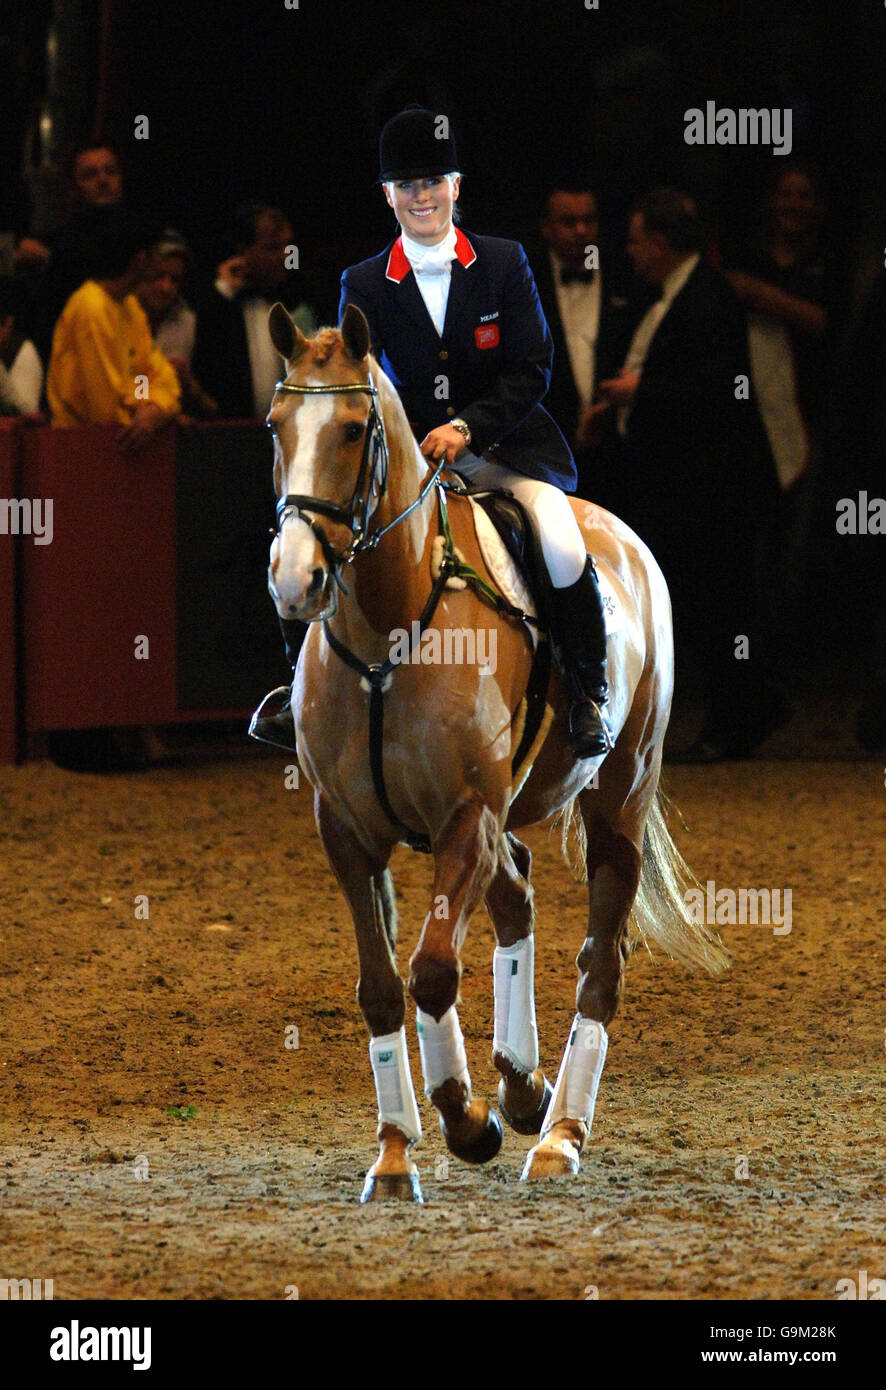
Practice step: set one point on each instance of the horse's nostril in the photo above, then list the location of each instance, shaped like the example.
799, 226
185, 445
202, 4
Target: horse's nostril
316, 581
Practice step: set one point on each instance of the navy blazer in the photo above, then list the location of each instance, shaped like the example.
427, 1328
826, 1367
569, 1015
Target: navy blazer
618, 318
492, 365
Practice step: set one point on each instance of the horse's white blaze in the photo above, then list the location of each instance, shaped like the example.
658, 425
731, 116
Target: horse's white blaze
516, 1034
442, 1049
393, 1084
575, 1094
294, 549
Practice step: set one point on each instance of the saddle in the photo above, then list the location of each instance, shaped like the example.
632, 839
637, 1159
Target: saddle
509, 518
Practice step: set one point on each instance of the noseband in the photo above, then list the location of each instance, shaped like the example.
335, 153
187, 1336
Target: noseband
372, 481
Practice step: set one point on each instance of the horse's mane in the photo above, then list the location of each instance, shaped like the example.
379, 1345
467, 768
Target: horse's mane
324, 343
327, 341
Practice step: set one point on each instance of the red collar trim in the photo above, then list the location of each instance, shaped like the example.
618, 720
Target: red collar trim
398, 266
464, 251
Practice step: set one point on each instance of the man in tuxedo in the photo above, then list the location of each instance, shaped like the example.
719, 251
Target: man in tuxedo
694, 452
587, 309
234, 359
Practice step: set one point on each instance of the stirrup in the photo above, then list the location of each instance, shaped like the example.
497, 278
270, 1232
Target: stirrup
261, 718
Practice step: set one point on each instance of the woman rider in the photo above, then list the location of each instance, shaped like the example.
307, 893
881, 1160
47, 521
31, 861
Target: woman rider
457, 318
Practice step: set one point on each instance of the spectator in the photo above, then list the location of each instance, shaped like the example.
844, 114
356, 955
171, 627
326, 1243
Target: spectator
699, 464
233, 356
102, 344
783, 284
98, 189
98, 182
21, 371
587, 312
173, 323
783, 277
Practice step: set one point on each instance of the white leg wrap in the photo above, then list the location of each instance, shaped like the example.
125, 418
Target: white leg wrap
575, 1093
393, 1083
442, 1049
516, 1036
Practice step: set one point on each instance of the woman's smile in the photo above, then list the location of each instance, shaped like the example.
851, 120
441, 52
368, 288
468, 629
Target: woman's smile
430, 218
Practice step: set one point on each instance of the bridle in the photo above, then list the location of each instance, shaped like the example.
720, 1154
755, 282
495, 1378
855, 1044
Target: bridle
372, 481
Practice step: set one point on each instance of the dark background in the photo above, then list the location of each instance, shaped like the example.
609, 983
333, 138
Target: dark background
256, 100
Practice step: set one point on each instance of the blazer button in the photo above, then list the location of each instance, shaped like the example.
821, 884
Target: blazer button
450, 410
444, 355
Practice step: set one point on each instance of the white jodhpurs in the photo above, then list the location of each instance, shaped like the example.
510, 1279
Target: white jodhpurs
562, 544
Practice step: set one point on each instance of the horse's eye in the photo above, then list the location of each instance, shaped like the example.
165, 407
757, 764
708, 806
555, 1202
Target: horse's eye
353, 431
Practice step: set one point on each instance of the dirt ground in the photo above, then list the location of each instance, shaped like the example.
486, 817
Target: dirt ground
110, 1022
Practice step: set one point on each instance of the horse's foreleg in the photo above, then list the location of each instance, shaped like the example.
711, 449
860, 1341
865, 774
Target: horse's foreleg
613, 876
524, 1091
368, 887
465, 859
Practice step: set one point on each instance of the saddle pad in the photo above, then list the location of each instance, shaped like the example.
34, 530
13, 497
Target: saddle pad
510, 582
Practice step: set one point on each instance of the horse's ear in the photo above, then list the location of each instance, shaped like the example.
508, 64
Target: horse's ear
286, 336
355, 332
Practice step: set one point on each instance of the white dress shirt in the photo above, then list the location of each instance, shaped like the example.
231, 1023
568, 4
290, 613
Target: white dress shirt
432, 267
176, 332
579, 306
264, 359
649, 325
21, 385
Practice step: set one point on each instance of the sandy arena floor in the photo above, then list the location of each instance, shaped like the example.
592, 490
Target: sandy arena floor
109, 1021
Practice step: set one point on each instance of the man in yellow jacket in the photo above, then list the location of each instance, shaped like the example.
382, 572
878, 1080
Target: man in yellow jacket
105, 366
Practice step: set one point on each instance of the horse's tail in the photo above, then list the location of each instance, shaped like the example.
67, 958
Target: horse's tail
660, 913
569, 825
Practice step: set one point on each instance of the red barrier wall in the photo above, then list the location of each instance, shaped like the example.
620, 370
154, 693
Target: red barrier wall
9, 548
168, 545
107, 578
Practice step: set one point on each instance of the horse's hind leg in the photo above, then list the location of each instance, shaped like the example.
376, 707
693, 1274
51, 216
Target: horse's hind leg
369, 889
613, 863
465, 858
524, 1091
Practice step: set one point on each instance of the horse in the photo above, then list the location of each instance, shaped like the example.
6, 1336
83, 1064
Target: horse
399, 749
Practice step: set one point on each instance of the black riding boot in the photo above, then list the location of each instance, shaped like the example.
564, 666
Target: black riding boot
279, 729
579, 629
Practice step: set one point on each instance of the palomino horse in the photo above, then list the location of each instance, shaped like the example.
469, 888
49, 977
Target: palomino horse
357, 502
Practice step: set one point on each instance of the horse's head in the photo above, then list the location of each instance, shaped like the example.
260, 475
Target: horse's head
329, 460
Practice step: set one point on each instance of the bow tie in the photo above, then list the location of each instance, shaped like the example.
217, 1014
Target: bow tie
571, 277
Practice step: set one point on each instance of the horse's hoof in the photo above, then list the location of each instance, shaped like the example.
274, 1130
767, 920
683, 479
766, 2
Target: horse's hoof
481, 1149
559, 1159
392, 1187
529, 1124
